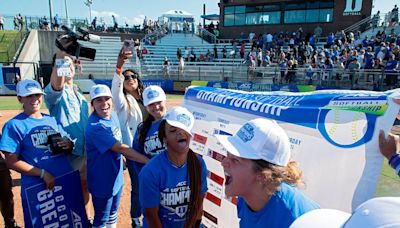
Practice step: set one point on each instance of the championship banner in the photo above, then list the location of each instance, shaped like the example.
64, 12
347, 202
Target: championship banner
333, 136
61, 207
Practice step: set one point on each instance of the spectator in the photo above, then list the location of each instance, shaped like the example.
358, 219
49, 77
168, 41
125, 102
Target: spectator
215, 51
94, 21
391, 72
176, 171
16, 23
395, 16
224, 51
56, 22
181, 67
166, 67
21, 21
375, 20
115, 23
242, 50
186, 54
33, 158
70, 108
1, 22
104, 161
258, 157
6, 195
354, 67
178, 53
45, 23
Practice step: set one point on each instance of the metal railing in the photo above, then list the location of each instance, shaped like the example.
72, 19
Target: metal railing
334, 78
207, 36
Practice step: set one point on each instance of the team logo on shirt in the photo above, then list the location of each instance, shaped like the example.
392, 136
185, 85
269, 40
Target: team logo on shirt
153, 145
176, 199
246, 133
39, 137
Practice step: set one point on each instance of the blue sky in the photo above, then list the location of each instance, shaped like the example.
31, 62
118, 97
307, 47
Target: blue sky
130, 11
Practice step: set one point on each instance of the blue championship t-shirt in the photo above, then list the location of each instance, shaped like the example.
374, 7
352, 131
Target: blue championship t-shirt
284, 206
26, 137
152, 144
104, 167
167, 187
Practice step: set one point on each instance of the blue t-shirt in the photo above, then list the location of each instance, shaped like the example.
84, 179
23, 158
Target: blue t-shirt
163, 185
26, 137
284, 206
104, 167
152, 144
70, 108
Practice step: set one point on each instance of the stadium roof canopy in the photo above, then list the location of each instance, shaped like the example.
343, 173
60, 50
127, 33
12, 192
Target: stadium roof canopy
211, 17
177, 13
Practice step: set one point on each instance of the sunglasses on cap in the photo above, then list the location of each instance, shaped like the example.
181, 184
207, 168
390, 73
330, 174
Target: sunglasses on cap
133, 76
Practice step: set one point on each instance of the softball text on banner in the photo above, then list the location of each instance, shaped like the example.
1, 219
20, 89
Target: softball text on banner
61, 207
333, 136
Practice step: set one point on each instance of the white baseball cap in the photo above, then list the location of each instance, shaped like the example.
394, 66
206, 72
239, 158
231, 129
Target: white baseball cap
181, 118
376, 212
28, 87
99, 91
153, 94
259, 139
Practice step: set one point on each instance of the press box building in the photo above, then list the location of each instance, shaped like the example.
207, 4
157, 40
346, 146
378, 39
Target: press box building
260, 16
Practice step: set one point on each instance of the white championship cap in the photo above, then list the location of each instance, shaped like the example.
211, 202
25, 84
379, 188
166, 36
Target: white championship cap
99, 91
374, 213
181, 118
153, 94
28, 87
259, 139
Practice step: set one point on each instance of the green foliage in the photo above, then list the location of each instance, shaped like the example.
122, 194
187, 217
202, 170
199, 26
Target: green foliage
6, 39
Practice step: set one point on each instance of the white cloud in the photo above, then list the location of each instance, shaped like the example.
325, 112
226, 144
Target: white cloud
107, 17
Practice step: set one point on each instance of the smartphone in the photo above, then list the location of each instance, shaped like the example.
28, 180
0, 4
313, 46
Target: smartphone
128, 47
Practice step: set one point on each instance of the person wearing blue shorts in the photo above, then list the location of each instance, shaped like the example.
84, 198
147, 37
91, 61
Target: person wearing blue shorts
258, 158
104, 157
172, 185
26, 147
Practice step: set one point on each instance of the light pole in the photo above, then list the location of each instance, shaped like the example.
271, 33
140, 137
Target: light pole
88, 3
51, 13
66, 13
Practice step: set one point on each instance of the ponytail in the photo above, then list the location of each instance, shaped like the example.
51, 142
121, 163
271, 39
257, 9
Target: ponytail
194, 172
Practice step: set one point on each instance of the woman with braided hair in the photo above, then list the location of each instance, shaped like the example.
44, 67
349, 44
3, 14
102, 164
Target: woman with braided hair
173, 184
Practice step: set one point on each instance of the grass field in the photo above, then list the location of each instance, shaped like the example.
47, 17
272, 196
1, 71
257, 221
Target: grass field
389, 183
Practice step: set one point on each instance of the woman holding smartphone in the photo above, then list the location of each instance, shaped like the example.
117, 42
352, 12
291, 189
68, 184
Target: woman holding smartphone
104, 160
127, 89
173, 184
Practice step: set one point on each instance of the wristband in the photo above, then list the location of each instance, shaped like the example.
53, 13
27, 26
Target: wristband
394, 161
41, 173
118, 70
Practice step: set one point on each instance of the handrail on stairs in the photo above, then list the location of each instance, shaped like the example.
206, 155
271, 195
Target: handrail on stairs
207, 36
155, 35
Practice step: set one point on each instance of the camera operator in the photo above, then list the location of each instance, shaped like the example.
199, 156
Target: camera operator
68, 105
26, 147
